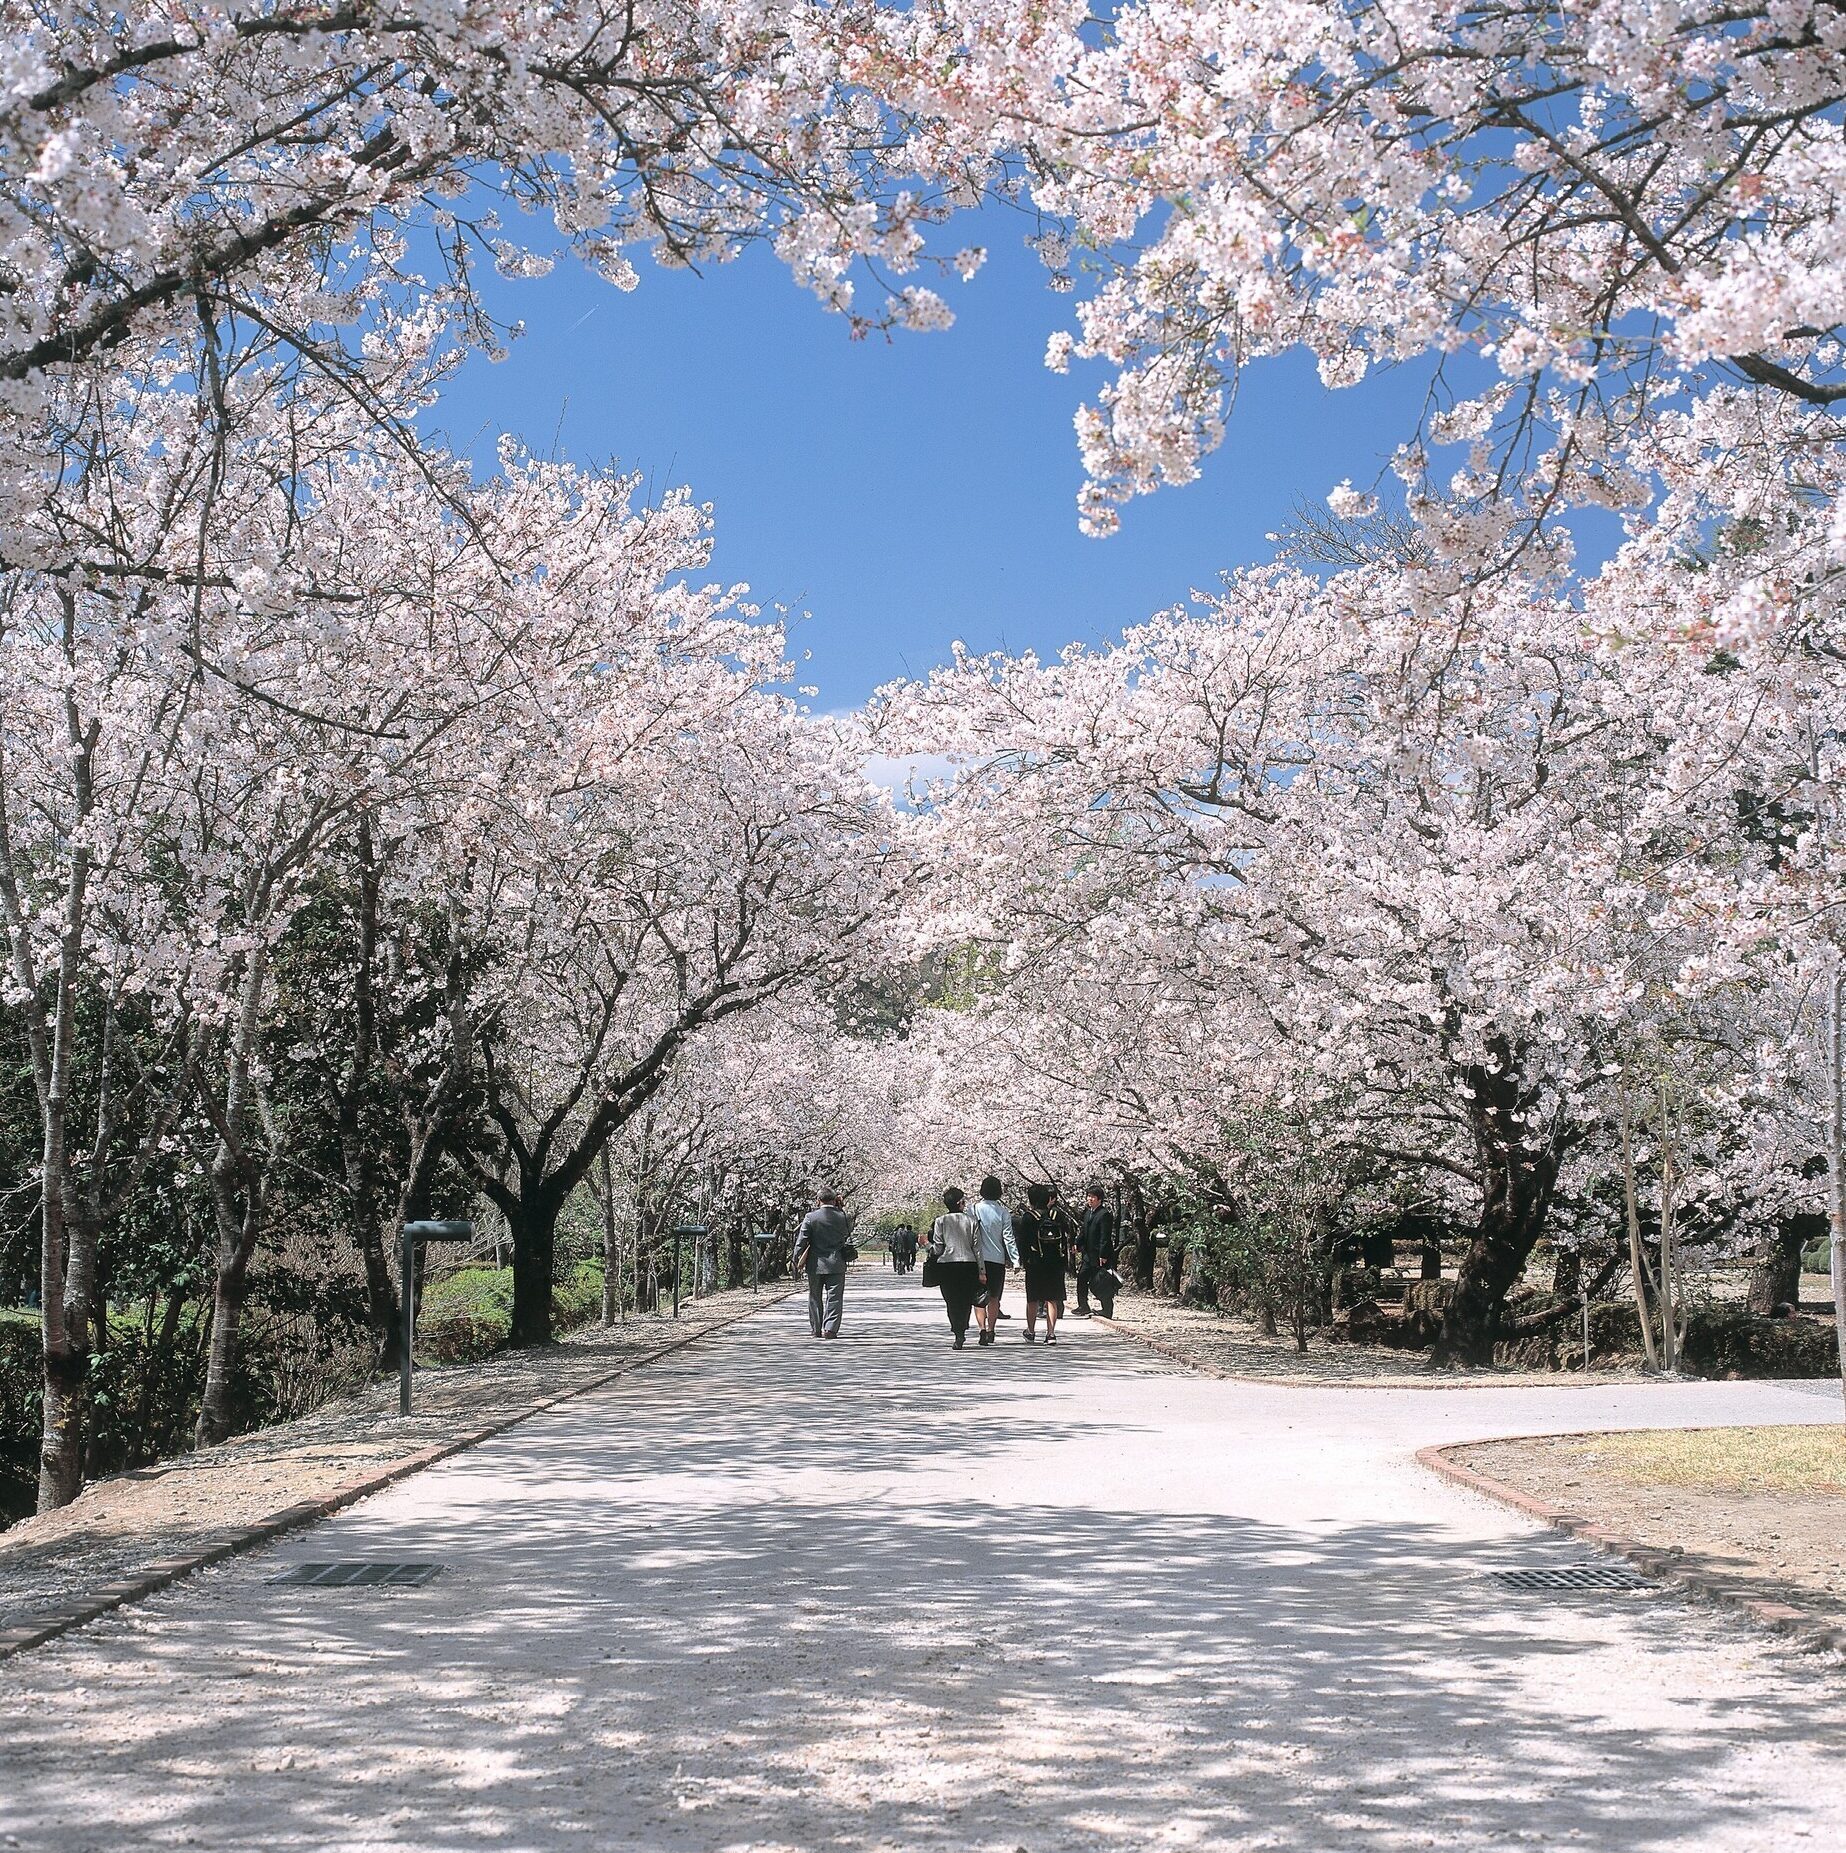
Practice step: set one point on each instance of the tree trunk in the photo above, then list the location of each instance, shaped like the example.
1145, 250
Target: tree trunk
534, 1224
1517, 1186
1143, 1238
1775, 1279
230, 1289
63, 1270
65, 1337
237, 1184
362, 1193
612, 1253
1638, 1268
1567, 1273
1836, 1155
60, 1458
237, 1203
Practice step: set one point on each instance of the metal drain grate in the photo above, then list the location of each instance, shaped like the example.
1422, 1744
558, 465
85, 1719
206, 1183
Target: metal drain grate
359, 1575
1575, 1576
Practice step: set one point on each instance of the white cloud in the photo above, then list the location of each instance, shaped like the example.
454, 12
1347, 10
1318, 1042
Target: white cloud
898, 773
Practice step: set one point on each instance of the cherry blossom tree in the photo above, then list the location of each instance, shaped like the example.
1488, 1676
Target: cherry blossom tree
651, 887
1580, 211
1365, 848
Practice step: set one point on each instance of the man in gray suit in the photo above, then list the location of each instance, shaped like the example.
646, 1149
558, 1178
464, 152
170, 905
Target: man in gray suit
823, 1245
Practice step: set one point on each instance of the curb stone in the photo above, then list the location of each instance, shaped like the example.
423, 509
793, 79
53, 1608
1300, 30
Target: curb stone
234, 1542
1402, 1380
1671, 1565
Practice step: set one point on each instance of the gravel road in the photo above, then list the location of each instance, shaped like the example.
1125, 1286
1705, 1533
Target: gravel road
876, 1595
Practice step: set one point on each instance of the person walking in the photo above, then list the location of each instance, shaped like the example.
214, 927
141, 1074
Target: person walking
998, 1250
955, 1258
1097, 1250
1041, 1234
823, 1245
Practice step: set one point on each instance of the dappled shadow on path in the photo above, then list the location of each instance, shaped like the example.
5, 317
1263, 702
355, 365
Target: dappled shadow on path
820, 1597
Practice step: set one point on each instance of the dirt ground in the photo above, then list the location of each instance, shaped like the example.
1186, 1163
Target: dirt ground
1762, 1508
120, 1526
1238, 1348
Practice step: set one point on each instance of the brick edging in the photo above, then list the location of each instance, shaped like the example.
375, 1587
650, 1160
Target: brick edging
1669, 1565
170, 1570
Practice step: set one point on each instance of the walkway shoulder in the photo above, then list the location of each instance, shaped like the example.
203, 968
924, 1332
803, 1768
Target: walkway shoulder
1668, 1565
162, 1574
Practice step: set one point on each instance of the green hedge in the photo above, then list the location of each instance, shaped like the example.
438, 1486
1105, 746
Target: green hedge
466, 1316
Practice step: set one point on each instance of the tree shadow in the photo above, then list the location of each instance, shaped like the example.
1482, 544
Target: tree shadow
776, 1596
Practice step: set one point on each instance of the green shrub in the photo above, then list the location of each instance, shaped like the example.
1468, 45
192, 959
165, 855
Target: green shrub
1816, 1260
578, 1297
467, 1315
20, 1373
1726, 1342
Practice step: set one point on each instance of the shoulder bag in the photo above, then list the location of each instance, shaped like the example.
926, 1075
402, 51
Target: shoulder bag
932, 1259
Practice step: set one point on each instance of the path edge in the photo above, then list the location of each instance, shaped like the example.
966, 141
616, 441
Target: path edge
1406, 1381
168, 1571
1779, 1617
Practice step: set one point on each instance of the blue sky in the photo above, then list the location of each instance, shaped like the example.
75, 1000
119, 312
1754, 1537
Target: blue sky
909, 493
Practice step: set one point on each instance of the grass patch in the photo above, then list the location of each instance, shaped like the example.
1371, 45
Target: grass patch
1783, 1459
467, 1315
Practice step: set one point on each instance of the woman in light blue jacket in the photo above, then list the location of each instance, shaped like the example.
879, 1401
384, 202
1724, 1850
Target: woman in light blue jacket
998, 1250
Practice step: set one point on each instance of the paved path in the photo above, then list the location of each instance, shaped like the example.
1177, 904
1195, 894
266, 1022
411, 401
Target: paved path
770, 1594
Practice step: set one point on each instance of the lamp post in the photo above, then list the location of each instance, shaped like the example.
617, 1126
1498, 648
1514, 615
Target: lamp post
697, 1231
415, 1232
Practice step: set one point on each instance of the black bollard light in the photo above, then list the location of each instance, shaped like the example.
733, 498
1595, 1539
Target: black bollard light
415, 1232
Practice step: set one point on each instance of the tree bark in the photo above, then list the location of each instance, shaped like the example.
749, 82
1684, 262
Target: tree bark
1775, 1279
1142, 1243
362, 1191
1641, 1274
1567, 1275
1518, 1181
533, 1219
67, 1246
612, 1254
237, 1206
1836, 1154
230, 1289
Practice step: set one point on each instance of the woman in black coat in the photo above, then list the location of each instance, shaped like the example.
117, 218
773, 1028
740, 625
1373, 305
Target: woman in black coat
1041, 1234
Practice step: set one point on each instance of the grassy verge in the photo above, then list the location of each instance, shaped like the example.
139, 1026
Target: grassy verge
1794, 1459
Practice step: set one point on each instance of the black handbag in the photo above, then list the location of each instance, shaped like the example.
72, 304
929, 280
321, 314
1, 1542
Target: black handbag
932, 1271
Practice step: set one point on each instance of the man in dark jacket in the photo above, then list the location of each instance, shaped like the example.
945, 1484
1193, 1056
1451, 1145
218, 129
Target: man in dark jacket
1097, 1250
823, 1245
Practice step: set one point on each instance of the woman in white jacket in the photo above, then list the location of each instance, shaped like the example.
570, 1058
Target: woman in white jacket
955, 1261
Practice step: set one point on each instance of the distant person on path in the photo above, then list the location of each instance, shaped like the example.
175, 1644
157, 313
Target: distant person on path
998, 1250
1040, 1232
823, 1245
904, 1248
955, 1253
1097, 1252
